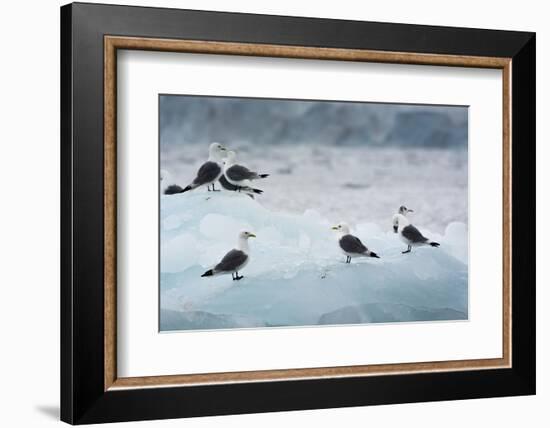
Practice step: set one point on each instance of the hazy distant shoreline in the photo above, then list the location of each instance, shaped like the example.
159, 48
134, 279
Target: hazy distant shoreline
201, 119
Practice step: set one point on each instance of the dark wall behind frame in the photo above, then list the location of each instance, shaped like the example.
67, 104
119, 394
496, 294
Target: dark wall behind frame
83, 27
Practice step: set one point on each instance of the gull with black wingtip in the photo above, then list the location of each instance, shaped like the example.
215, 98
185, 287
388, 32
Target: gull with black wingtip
239, 175
409, 234
351, 245
235, 260
208, 173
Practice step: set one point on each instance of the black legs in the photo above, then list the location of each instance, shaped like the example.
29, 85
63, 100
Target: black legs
236, 277
408, 250
213, 188
348, 259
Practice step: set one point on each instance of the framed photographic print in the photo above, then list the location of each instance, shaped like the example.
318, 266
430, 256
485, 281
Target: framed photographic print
265, 213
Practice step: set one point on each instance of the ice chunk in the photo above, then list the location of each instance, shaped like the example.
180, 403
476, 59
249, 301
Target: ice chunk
456, 241
178, 253
221, 227
369, 230
304, 242
192, 320
171, 222
388, 312
296, 274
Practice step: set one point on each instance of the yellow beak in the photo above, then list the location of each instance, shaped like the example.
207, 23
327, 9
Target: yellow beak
334, 227
251, 235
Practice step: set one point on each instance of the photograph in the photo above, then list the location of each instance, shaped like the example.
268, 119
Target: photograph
289, 213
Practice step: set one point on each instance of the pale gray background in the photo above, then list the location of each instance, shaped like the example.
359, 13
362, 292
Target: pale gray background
30, 219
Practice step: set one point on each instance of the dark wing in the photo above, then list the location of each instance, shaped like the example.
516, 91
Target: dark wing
352, 244
230, 186
231, 261
207, 173
226, 184
413, 234
239, 173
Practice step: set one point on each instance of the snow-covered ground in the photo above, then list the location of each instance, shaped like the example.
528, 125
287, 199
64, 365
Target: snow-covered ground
297, 275
347, 183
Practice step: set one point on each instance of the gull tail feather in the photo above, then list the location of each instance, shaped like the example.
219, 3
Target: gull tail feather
263, 175
174, 189
209, 272
434, 244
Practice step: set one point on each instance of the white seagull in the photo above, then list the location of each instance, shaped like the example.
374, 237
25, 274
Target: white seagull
351, 245
208, 173
239, 175
409, 234
234, 260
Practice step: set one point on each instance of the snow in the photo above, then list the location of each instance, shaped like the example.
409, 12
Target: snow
297, 275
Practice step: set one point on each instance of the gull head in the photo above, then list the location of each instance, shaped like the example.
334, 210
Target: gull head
245, 235
399, 221
403, 210
216, 150
341, 227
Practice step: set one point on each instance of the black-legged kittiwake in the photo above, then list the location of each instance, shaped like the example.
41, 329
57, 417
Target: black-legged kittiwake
208, 173
351, 245
409, 234
234, 260
239, 175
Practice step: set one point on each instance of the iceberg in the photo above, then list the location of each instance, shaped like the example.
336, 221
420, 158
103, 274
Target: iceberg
296, 275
